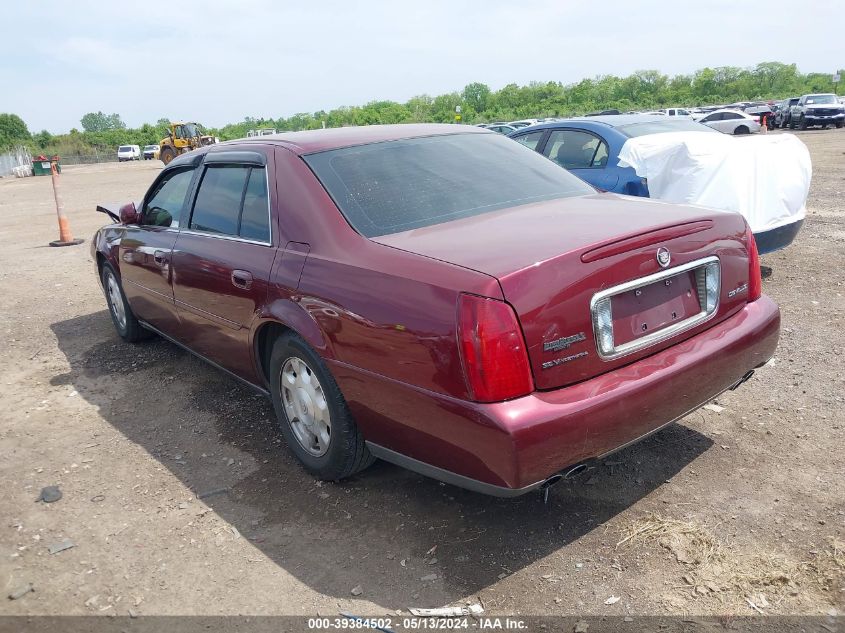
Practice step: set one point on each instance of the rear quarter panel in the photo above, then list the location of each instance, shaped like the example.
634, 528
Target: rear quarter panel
365, 305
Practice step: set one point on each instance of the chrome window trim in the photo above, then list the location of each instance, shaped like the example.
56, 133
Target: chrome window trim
224, 236
667, 332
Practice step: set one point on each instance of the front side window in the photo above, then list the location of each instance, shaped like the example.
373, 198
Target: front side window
232, 200
384, 188
576, 150
530, 140
164, 204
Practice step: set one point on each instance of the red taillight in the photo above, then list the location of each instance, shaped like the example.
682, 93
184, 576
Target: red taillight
492, 350
755, 278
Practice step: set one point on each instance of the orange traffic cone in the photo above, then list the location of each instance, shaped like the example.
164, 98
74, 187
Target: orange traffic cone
65, 236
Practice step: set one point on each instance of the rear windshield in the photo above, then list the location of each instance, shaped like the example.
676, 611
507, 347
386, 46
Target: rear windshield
395, 186
669, 125
821, 99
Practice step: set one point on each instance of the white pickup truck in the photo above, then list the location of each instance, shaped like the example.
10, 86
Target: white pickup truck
673, 112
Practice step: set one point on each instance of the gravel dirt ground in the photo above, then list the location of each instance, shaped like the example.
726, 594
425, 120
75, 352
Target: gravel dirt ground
179, 497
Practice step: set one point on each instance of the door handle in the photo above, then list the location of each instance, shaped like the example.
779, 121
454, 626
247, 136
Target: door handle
241, 279
160, 257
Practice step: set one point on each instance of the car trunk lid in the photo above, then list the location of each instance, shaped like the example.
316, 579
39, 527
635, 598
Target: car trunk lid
554, 259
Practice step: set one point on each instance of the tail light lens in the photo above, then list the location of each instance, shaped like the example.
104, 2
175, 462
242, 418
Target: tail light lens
755, 277
492, 350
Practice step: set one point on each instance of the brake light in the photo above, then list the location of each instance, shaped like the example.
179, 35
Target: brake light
493, 350
755, 277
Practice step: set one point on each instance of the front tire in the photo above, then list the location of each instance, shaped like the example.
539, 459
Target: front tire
840, 123
802, 124
167, 155
127, 326
312, 414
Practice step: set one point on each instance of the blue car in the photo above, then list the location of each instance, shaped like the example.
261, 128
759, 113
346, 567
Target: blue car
589, 148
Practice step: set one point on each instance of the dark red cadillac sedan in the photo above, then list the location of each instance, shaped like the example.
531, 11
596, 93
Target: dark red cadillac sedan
440, 297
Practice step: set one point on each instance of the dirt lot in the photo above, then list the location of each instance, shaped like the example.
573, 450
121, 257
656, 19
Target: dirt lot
729, 506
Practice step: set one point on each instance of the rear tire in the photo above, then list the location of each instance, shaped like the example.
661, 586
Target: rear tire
312, 414
127, 326
742, 129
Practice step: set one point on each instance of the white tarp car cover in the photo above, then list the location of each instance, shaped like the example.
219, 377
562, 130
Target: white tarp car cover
766, 178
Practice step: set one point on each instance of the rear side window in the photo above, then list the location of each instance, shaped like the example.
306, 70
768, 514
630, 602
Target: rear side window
576, 150
232, 200
255, 217
218, 202
530, 140
384, 188
164, 204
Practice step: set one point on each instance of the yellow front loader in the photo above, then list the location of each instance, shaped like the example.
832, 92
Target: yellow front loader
181, 138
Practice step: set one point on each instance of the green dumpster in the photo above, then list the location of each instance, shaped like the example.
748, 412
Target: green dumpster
41, 165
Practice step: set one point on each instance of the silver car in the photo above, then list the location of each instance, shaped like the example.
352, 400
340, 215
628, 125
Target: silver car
731, 122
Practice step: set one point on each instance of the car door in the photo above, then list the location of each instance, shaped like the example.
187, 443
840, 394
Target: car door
583, 153
146, 248
731, 121
223, 256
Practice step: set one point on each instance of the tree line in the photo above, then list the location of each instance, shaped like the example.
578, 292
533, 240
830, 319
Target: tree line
644, 89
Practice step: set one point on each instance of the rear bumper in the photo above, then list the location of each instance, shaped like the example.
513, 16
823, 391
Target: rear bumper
509, 448
778, 238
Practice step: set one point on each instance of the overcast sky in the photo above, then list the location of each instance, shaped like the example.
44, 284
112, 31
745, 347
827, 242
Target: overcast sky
217, 62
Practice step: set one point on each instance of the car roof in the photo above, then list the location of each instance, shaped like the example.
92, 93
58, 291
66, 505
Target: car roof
311, 141
610, 120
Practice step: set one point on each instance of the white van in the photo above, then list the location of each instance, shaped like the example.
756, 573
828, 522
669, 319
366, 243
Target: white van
128, 152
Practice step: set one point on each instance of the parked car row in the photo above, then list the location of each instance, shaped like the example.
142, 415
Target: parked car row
745, 117
442, 297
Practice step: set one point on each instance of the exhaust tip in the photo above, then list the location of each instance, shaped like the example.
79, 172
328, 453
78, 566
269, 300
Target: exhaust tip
574, 471
551, 481
745, 378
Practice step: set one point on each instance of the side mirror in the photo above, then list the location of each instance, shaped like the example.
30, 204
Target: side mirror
129, 214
